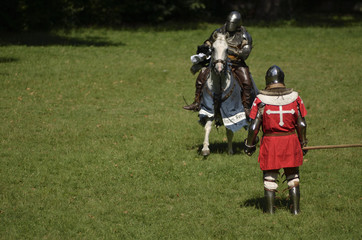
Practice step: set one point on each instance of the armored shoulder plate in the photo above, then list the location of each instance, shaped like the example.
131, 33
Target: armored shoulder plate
248, 38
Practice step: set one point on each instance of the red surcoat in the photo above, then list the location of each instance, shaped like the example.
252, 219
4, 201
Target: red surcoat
279, 117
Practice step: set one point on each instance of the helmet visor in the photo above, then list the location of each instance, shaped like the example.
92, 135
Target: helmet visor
231, 26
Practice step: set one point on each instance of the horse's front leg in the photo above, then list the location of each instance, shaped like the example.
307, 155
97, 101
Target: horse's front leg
205, 150
230, 135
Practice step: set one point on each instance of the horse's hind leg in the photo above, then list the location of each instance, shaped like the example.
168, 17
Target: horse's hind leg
205, 150
230, 135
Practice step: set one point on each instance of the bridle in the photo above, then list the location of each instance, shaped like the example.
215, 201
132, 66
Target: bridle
223, 62
216, 61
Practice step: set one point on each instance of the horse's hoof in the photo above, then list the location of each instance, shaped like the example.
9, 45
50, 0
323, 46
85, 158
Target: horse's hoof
205, 153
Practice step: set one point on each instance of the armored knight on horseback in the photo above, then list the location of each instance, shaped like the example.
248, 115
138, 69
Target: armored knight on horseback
239, 47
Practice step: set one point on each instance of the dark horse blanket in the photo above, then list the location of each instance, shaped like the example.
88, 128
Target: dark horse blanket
226, 109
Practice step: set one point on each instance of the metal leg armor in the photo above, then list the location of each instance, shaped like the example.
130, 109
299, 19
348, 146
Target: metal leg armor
200, 81
269, 197
294, 195
243, 77
292, 176
270, 187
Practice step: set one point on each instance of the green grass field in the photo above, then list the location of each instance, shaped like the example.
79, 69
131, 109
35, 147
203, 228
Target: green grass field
95, 143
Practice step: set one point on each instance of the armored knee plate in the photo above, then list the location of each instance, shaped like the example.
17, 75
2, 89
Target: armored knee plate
294, 195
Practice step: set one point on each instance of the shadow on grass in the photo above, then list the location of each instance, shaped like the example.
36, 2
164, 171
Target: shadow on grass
49, 39
222, 147
311, 20
4, 60
281, 203
8, 59
299, 20
257, 202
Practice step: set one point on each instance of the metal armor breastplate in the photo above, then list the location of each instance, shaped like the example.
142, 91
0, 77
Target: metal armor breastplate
235, 41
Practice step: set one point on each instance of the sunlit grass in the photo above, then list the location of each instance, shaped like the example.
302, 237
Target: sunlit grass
95, 143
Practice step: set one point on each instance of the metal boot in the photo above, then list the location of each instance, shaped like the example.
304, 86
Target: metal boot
200, 81
269, 197
294, 195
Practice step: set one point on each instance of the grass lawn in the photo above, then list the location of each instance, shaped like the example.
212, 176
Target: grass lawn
95, 143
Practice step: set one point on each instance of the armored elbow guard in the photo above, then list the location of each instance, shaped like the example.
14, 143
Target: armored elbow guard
247, 46
253, 131
245, 52
301, 128
254, 128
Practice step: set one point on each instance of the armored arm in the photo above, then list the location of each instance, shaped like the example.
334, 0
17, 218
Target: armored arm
246, 46
301, 128
254, 128
242, 49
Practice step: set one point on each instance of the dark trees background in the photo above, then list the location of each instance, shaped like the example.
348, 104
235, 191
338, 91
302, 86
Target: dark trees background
20, 15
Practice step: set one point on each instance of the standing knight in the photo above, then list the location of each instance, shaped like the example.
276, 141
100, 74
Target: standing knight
280, 111
239, 47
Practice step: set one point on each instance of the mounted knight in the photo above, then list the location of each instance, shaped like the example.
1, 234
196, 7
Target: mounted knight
239, 47
221, 96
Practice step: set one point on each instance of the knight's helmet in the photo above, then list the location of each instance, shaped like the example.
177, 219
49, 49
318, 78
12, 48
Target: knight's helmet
274, 77
233, 21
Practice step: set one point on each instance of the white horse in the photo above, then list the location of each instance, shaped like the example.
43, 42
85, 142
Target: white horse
219, 87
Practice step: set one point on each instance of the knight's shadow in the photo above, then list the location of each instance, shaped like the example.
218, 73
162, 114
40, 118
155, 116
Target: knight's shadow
258, 203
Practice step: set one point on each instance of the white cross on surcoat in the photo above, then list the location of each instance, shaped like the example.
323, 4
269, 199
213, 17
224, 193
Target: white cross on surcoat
280, 112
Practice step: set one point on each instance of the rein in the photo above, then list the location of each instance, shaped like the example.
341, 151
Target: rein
229, 93
225, 71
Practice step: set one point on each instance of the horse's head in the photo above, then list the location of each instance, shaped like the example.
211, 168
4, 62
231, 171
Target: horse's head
219, 53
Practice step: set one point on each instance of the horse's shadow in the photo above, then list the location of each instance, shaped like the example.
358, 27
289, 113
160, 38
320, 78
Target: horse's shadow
258, 203
222, 147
